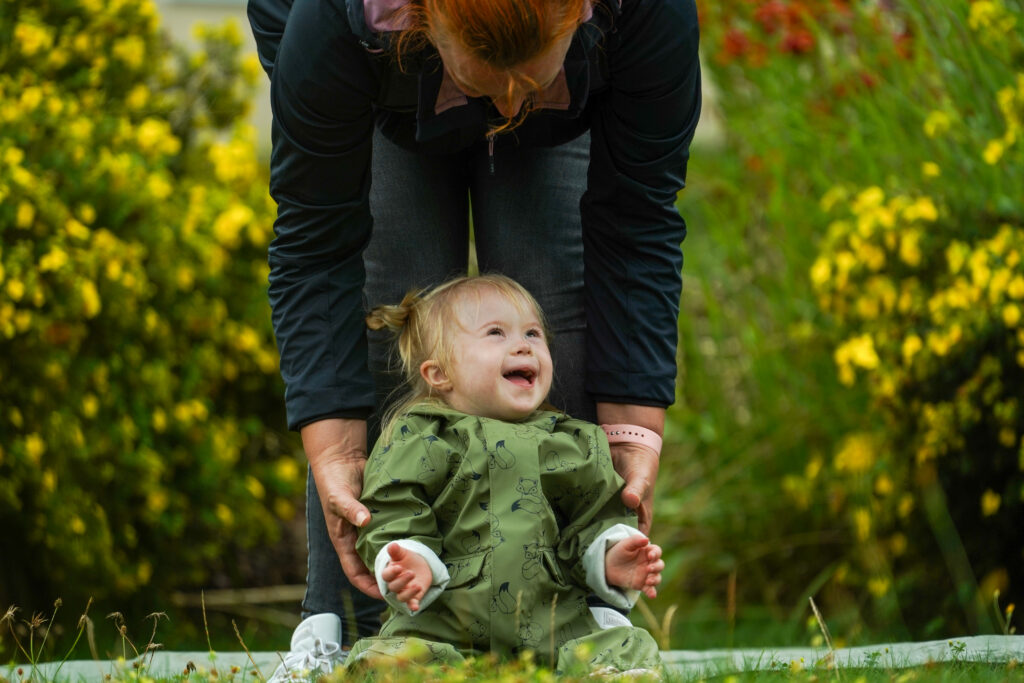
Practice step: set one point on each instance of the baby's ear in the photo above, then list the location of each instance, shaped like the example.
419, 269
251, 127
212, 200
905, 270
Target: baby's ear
435, 376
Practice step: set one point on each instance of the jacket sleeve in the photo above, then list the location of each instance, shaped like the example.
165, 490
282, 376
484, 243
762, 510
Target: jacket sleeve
267, 18
400, 484
321, 89
640, 137
586, 498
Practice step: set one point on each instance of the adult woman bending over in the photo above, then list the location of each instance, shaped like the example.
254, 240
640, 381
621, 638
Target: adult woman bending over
559, 129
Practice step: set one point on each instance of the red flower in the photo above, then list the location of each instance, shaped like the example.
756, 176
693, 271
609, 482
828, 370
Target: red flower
904, 43
770, 15
736, 43
797, 41
868, 79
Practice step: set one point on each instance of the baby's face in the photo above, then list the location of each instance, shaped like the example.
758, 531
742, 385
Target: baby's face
501, 363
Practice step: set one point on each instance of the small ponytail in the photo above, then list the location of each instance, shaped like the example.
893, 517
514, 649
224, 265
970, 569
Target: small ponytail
394, 318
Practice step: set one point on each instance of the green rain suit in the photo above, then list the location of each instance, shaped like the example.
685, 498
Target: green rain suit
514, 519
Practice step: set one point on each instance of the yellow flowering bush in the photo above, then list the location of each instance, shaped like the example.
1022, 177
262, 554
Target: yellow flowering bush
141, 430
930, 311
926, 287
859, 344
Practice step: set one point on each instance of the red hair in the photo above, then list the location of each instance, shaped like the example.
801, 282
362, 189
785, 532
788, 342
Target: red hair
503, 34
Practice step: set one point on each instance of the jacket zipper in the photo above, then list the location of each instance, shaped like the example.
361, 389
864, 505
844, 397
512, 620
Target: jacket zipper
490, 152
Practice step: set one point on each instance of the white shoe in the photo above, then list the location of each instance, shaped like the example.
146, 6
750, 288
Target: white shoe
315, 650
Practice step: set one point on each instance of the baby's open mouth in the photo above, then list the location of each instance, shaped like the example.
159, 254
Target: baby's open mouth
521, 377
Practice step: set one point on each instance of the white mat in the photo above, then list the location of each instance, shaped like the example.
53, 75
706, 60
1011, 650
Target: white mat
688, 663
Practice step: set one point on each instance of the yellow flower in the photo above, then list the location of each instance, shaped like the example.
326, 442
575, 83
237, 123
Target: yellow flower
31, 98
137, 97
878, 586
936, 123
144, 573
25, 216
228, 226
224, 514
91, 303
990, 502
993, 152
981, 14
157, 500
255, 487
1015, 288
87, 213
159, 420
906, 505
49, 481
930, 169
287, 470
80, 130
131, 50
857, 454
31, 39
247, 339
55, 259
154, 136
898, 544
77, 525
15, 289
834, 195
284, 509
75, 229
13, 156
910, 249
869, 198
34, 447
922, 209
911, 345
862, 523
1011, 315
862, 352
1007, 437
252, 71
158, 186
883, 485
90, 405
184, 277
873, 257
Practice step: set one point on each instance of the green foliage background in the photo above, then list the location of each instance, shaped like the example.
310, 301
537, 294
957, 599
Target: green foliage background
848, 424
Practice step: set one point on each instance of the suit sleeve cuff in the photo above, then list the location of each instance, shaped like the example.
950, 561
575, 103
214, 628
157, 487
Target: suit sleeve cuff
593, 565
437, 569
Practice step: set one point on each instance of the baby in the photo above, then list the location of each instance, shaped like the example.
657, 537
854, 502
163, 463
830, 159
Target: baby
494, 516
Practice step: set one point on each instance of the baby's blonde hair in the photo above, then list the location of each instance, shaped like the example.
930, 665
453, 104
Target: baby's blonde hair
423, 323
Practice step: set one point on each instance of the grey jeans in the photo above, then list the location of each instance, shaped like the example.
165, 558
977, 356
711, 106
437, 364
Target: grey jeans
526, 224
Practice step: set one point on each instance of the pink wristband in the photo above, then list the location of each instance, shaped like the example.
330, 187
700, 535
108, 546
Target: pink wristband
633, 434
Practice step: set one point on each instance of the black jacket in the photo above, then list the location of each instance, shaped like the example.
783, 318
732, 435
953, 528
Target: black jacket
634, 80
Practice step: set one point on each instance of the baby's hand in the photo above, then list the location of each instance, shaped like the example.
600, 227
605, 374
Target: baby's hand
407, 575
634, 563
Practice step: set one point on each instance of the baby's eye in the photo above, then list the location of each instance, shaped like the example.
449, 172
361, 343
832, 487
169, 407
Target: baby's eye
495, 330
534, 333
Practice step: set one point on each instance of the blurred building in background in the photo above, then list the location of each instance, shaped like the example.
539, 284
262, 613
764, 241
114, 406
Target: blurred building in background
178, 17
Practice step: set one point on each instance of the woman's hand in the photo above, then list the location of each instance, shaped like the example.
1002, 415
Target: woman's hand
636, 463
336, 449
